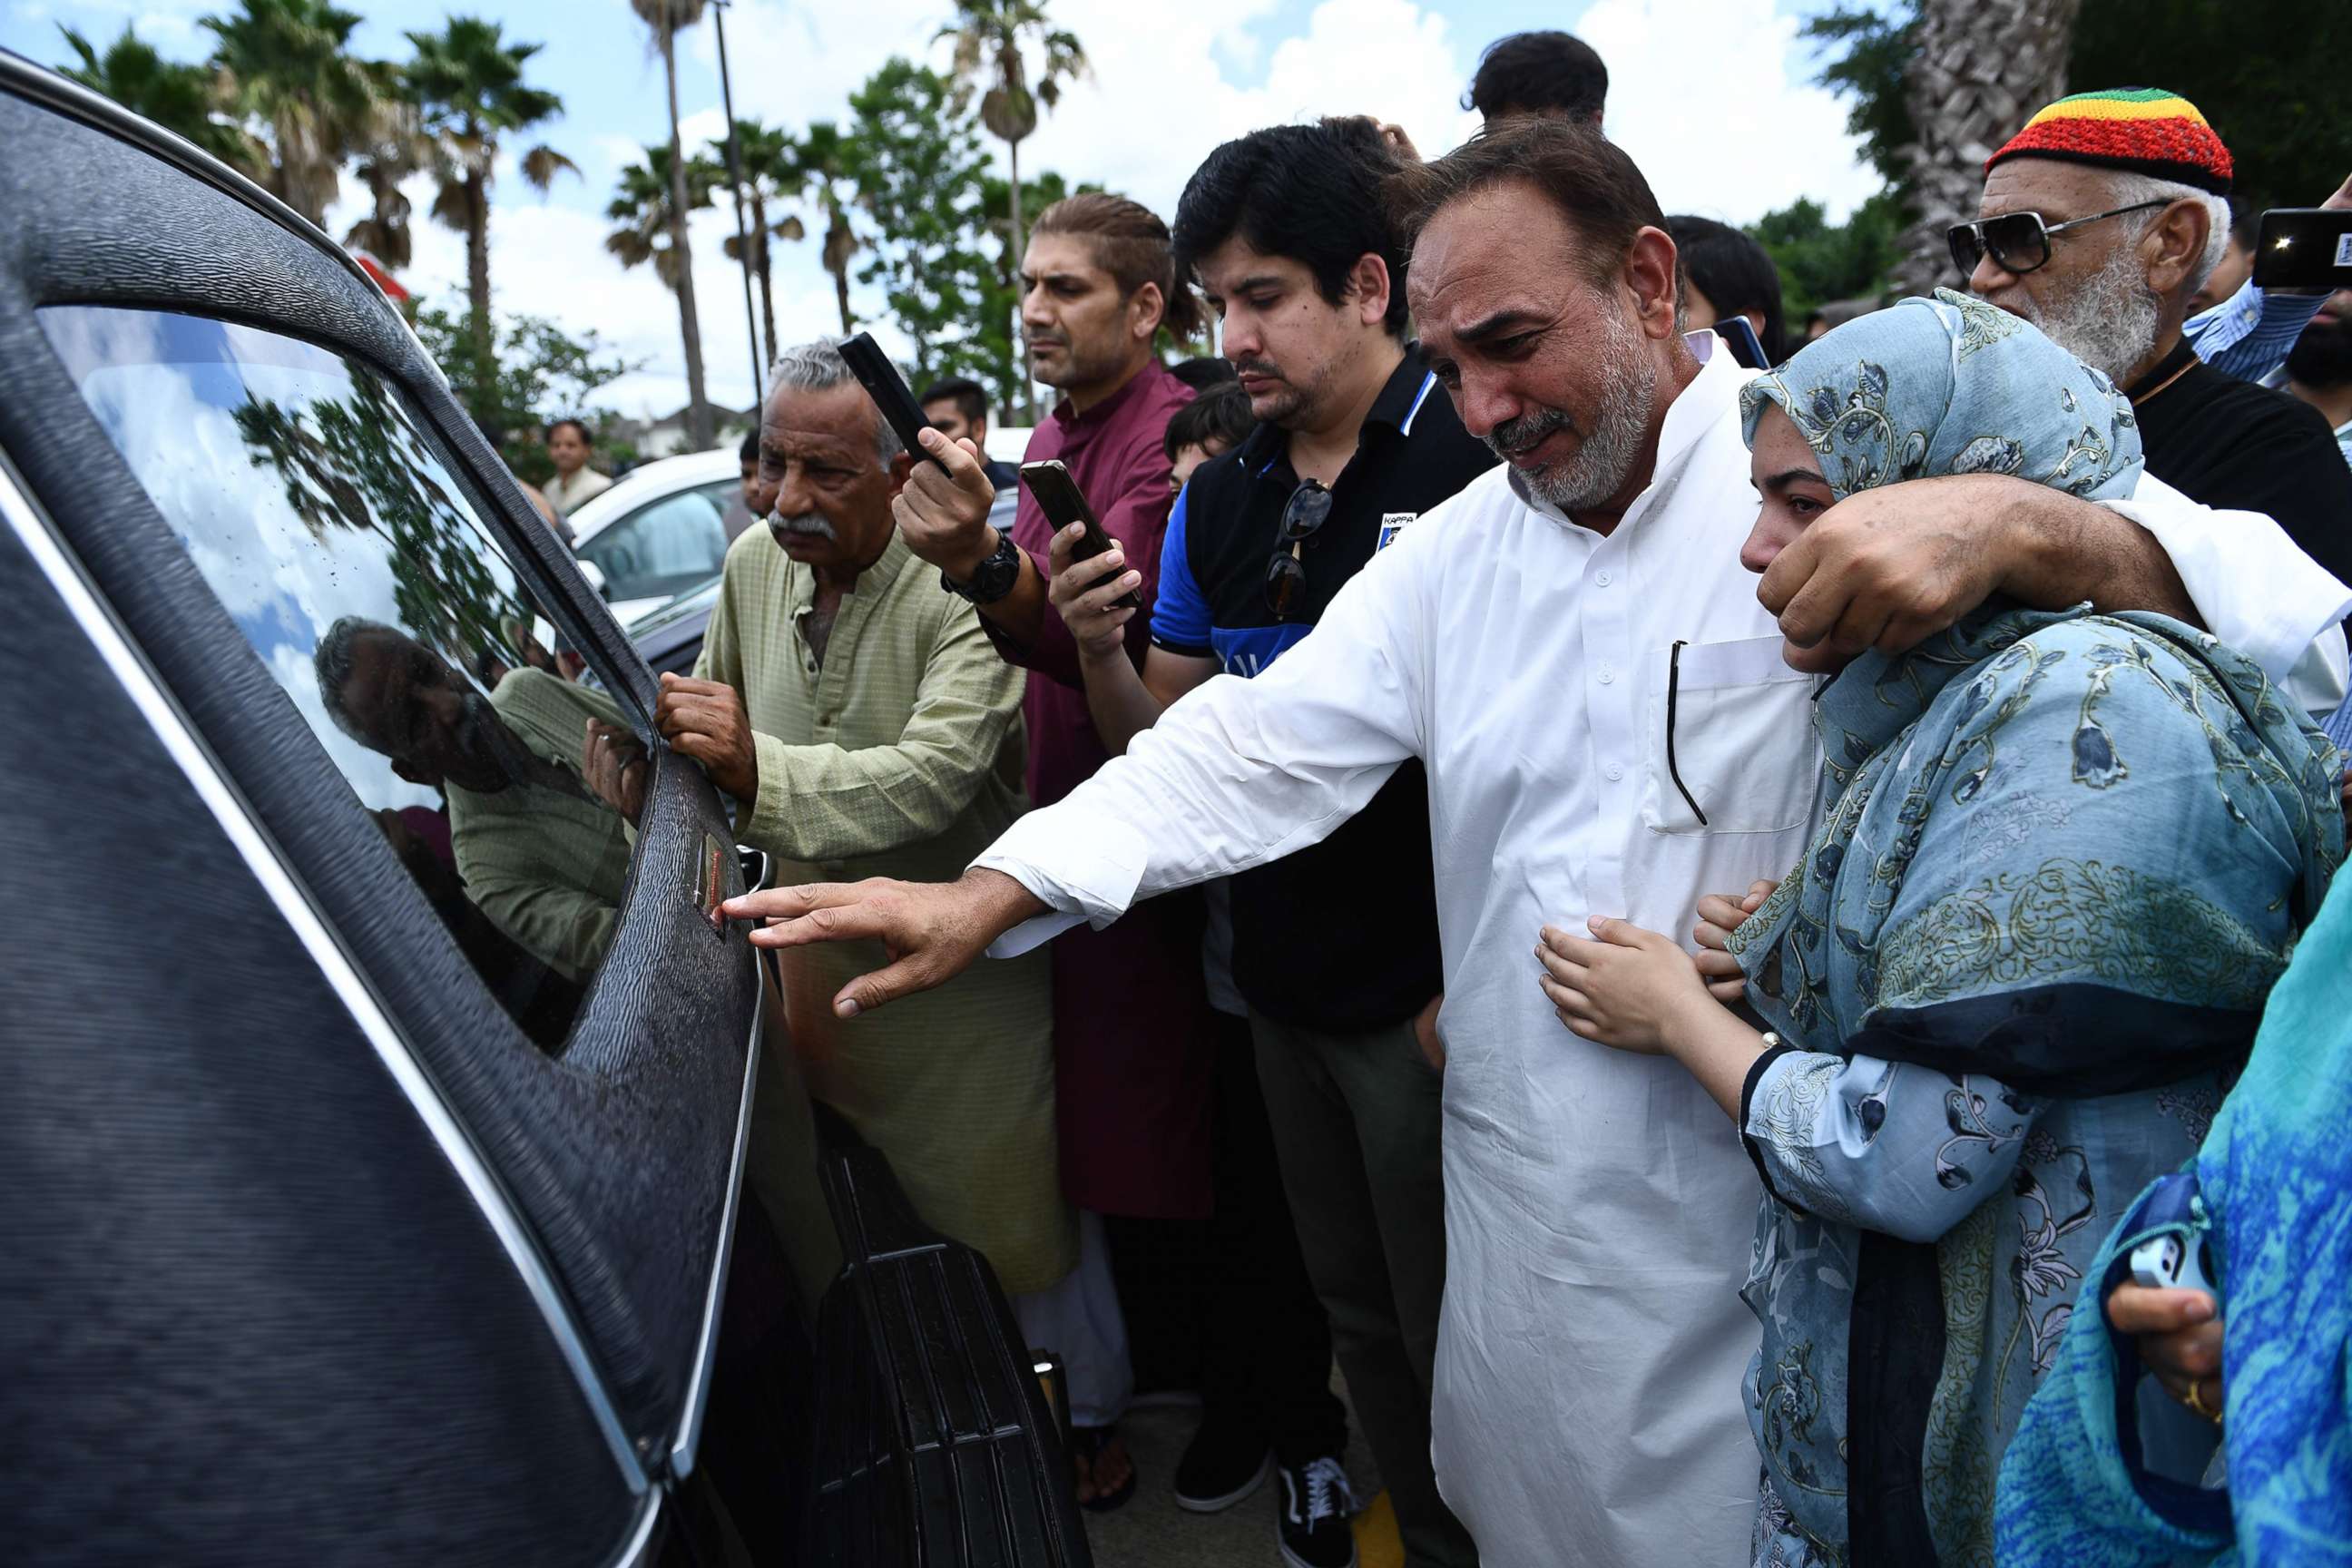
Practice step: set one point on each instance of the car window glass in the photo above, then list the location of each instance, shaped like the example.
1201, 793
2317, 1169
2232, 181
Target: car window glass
660, 550
336, 537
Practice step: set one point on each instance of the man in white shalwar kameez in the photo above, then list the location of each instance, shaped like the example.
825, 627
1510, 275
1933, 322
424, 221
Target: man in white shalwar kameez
1573, 648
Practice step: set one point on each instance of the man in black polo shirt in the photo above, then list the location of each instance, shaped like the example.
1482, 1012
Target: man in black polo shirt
1334, 948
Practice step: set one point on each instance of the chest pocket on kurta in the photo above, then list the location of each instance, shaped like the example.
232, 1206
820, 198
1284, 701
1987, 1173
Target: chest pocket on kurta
1720, 724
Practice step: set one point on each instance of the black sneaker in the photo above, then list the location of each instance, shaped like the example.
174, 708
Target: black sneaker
1313, 1526
1226, 1462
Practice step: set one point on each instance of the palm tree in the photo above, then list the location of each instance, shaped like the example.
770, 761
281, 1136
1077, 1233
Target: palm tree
651, 230
828, 167
989, 36
1980, 68
771, 169
667, 18
467, 85
180, 97
288, 65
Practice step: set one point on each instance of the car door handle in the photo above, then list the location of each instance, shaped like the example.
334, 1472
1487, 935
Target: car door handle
758, 868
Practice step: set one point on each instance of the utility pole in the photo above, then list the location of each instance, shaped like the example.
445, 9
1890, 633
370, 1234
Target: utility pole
742, 231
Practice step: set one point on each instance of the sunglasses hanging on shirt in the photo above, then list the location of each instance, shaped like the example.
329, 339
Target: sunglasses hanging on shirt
1285, 575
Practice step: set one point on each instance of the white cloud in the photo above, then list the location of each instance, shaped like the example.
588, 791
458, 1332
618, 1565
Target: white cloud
1713, 99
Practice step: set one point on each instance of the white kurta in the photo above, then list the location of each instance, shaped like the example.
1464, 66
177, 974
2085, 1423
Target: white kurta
1599, 1206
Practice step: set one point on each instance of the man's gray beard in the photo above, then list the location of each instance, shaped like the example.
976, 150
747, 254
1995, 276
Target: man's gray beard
1603, 463
2108, 322
808, 525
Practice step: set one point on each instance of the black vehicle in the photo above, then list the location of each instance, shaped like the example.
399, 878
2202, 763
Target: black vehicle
378, 1102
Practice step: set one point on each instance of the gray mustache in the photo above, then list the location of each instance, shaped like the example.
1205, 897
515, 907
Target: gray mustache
808, 524
1527, 430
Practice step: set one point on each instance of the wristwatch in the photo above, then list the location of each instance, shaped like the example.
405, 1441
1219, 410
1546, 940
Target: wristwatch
993, 578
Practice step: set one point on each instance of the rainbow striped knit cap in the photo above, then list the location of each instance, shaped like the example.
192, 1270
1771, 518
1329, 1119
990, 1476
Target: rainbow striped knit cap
2144, 130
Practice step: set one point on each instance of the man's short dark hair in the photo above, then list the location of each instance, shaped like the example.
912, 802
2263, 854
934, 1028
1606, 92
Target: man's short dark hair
1131, 244
749, 450
1219, 416
1539, 73
1734, 273
1204, 371
1310, 193
971, 401
555, 425
2245, 220
1587, 177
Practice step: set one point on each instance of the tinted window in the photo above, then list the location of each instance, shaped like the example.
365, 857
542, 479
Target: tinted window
664, 548
309, 498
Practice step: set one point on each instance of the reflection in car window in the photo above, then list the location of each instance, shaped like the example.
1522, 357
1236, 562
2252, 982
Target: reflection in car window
660, 550
333, 534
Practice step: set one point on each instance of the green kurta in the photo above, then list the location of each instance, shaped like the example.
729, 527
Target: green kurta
546, 866
902, 756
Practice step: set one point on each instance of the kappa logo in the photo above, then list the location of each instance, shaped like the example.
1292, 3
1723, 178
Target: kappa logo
1391, 524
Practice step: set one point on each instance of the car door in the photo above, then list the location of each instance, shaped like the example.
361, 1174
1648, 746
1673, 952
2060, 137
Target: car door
225, 462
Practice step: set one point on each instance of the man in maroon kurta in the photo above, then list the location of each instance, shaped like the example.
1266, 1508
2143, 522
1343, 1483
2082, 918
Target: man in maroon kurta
1133, 1041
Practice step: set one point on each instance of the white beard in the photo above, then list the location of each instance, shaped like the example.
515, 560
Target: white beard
2109, 323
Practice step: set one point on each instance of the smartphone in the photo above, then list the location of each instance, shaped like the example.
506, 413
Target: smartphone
1064, 504
887, 388
1747, 348
2305, 248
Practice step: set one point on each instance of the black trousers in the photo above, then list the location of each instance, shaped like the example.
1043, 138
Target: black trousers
1224, 1304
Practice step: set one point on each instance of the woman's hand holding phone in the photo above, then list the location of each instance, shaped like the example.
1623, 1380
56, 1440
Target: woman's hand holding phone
1083, 592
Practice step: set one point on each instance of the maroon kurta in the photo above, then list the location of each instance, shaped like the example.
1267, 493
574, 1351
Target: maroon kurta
1132, 1052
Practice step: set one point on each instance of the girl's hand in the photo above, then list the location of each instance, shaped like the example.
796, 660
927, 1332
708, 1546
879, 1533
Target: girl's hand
1630, 988
2179, 1340
1720, 914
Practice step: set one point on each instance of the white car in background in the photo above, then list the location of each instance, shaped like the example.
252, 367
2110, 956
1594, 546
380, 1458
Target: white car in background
661, 530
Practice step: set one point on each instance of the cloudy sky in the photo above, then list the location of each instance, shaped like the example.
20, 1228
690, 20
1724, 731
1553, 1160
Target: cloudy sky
1712, 97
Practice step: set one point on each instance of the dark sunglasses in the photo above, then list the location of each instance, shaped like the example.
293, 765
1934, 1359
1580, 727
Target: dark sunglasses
1285, 575
2020, 242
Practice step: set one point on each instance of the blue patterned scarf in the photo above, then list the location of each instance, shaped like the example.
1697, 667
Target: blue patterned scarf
2275, 1177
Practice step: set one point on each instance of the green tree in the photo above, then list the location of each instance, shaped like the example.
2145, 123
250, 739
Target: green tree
533, 371
828, 174
467, 85
772, 177
289, 68
918, 165
667, 18
2255, 69
185, 98
989, 38
1820, 262
652, 230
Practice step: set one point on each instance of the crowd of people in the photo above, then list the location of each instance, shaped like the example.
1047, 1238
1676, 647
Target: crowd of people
1674, 918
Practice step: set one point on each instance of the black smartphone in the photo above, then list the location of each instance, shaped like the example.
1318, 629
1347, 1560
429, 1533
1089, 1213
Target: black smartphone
2305, 248
1747, 348
887, 388
1064, 504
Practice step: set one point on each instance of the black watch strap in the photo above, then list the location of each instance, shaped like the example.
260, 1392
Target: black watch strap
995, 576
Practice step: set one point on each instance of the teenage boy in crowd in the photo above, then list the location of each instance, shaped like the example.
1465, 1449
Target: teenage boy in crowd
1551, 74
1522, 642
1286, 231
958, 409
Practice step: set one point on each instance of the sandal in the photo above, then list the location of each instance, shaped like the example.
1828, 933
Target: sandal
1087, 1446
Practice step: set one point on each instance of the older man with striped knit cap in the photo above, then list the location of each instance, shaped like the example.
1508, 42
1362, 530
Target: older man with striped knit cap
2099, 220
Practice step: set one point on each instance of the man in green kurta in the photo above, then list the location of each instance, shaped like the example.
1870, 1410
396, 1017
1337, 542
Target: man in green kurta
859, 715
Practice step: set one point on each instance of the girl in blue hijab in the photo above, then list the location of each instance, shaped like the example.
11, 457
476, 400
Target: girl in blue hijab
2059, 860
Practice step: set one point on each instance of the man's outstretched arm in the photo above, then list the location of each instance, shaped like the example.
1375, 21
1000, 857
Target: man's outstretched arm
932, 931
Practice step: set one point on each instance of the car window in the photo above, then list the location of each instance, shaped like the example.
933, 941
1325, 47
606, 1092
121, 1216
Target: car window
663, 547
336, 537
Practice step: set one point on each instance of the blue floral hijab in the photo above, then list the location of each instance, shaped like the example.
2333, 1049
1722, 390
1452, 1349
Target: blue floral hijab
2061, 856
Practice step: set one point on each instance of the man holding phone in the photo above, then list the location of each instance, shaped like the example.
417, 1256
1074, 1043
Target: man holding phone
1135, 1065
1285, 229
